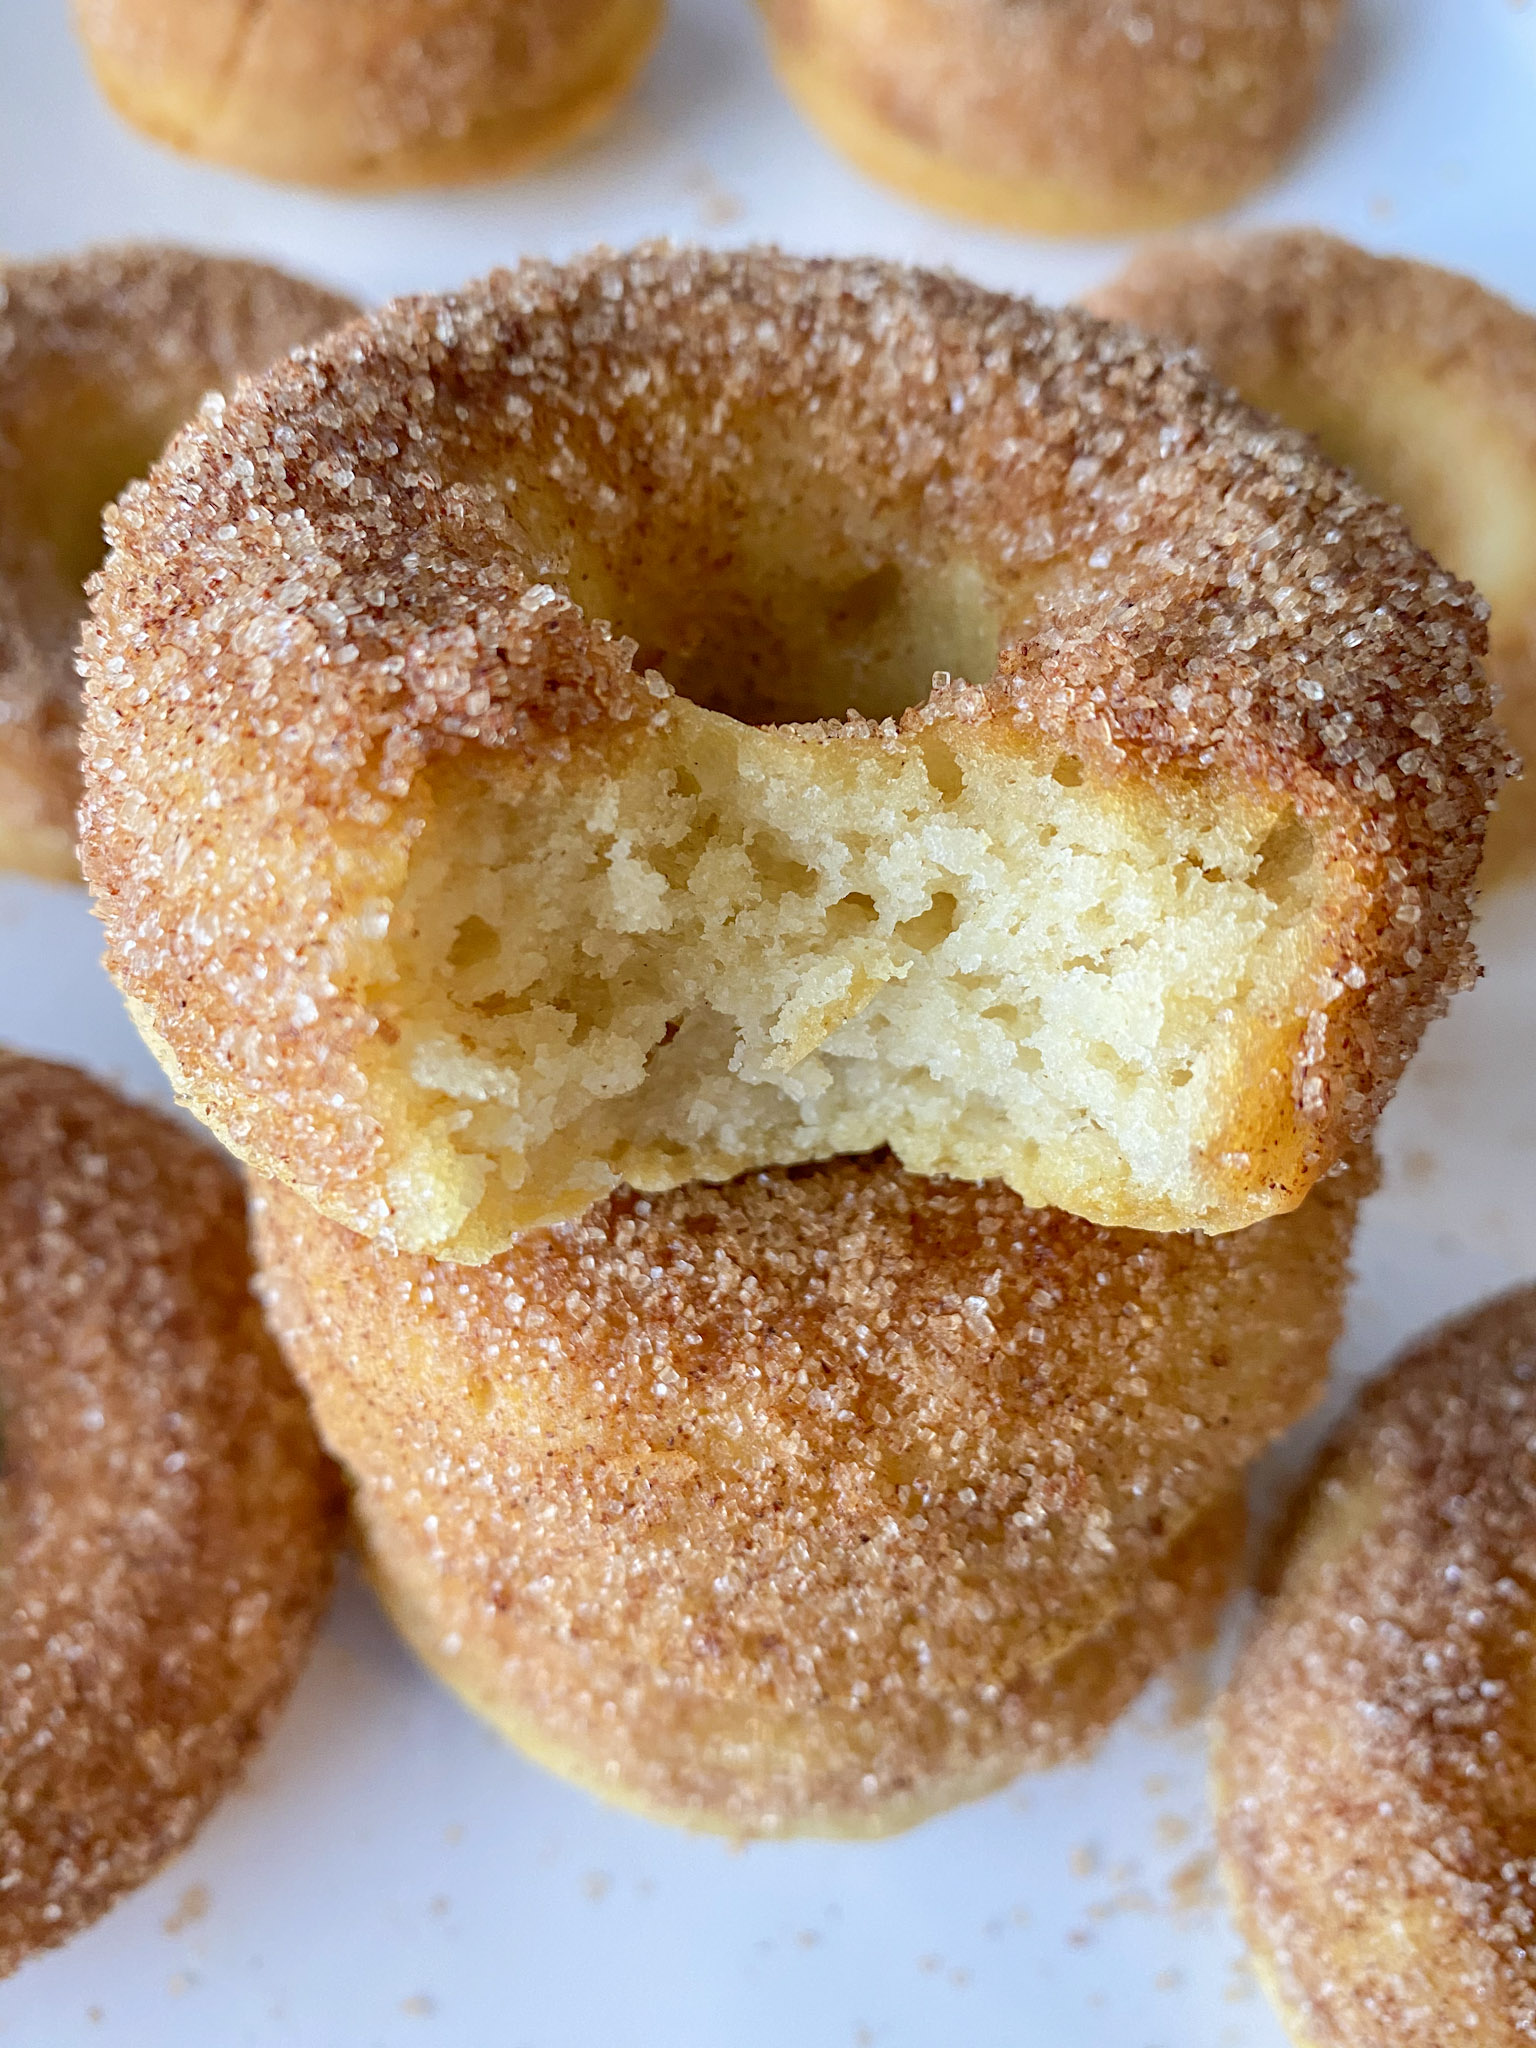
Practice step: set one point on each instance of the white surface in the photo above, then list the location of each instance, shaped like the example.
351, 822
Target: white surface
390, 1875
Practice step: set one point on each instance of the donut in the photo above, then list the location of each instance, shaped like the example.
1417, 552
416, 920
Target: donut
101, 356
168, 1522
841, 1775
777, 1506
1375, 1777
1421, 382
1059, 117
367, 95
477, 827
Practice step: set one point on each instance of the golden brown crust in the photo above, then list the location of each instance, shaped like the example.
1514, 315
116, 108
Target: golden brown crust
1060, 116
842, 1776
729, 1461
1376, 1766
329, 584
1356, 348
168, 1523
102, 355
367, 95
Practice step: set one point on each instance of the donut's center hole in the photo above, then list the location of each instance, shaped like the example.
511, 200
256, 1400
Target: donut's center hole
776, 635
72, 465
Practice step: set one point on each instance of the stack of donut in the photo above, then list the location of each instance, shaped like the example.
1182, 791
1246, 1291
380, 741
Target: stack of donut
802, 884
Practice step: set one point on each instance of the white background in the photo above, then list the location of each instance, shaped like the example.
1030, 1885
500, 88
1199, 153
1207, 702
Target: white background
390, 1874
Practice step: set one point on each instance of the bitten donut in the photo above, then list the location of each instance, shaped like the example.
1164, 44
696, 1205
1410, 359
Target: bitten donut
1421, 382
477, 827
367, 95
778, 1506
101, 356
1059, 117
168, 1522
1375, 1771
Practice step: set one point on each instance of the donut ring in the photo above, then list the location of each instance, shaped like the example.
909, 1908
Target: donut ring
168, 1523
1375, 1778
778, 1505
368, 95
456, 915
1059, 117
101, 356
1421, 382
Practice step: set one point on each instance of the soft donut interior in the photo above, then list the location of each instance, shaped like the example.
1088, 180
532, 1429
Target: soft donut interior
689, 952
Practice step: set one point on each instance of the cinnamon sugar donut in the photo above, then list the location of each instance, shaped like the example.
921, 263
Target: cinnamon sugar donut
101, 356
1059, 117
814, 1502
476, 826
367, 95
1420, 381
168, 1523
1376, 1763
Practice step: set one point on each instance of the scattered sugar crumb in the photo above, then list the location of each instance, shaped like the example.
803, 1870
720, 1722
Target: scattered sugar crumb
453, 1834
1189, 1691
596, 1886
1419, 1165
191, 1907
1136, 1900
1193, 1886
1168, 1980
718, 207
1155, 1787
1171, 1829
95, 2014
930, 1965
439, 1905
180, 1983
1084, 1860
418, 2006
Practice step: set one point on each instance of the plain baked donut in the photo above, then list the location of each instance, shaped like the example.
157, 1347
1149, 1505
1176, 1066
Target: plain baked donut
367, 95
168, 1523
1375, 1769
439, 904
777, 1506
101, 356
1420, 381
1063, 117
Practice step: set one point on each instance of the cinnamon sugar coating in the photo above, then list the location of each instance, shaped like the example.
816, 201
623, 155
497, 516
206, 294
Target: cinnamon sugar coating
351, 683
367, 95
102, 355
1060, 116
1376, 1763
785, 1506
1420, 381
168, 1523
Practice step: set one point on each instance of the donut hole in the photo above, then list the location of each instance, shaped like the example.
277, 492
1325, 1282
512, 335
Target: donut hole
73, 458
755, 629
712, 946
